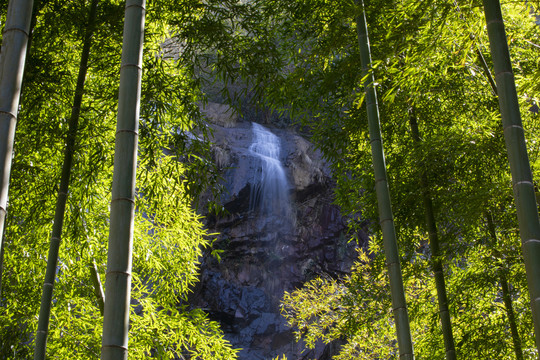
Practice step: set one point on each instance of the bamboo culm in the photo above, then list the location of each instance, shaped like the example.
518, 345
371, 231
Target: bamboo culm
98, 289
119, 259
12, 59
61, 199
507, 298
436, 263
399, 305
523, 185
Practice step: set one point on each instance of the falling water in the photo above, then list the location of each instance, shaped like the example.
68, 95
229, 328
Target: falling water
270, 194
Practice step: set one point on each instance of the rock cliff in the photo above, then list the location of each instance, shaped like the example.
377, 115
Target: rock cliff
265, 254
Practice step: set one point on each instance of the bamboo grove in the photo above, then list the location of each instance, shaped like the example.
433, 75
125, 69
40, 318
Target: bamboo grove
428, 112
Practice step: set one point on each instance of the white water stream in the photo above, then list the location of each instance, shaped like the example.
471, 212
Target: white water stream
270, 194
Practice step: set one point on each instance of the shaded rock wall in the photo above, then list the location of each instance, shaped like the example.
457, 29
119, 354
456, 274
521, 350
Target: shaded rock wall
264, 256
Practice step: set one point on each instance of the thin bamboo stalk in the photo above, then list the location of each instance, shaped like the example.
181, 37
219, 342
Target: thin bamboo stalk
98, 289
436, 263
386, 218
12, 58
119, 260
523, 185
484, 65
61, 199
507, 298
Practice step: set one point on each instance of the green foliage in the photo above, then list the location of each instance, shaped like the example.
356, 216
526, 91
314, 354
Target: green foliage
301, 59
358, 308
169, 236
425, 57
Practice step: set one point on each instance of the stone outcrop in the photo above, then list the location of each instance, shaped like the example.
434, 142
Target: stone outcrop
264, 256
219, 114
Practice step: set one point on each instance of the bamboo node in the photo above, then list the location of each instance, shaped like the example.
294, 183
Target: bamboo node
373, 140
118, 272
524, 182
385, 220
513, 126
407, 355
136, 5
115, 346
399, 308
15, 28
139, 67
127, 131
495, 21
123, 199
504, 72
8, 113
532, 241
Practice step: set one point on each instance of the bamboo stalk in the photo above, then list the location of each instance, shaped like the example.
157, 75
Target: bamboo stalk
436, 263
507, 299
12, 58
523, 186
399, 305
98, 289
118, 277
61, 199
486, 71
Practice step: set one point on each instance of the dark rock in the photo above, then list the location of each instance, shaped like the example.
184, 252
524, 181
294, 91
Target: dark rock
264, 256
240, 202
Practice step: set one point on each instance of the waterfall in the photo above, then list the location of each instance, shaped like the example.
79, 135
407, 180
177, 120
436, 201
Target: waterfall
270, 194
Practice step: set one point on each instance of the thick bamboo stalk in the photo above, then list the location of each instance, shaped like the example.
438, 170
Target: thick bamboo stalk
399, 305
12, 58
61, 199
118, 277
507, 298
524, 196
436, 263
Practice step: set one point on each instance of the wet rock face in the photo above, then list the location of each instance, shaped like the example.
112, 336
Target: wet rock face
265, 254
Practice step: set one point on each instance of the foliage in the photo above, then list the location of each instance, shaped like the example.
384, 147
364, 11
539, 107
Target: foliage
426, 59
358, 308
172, 171
301, 59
